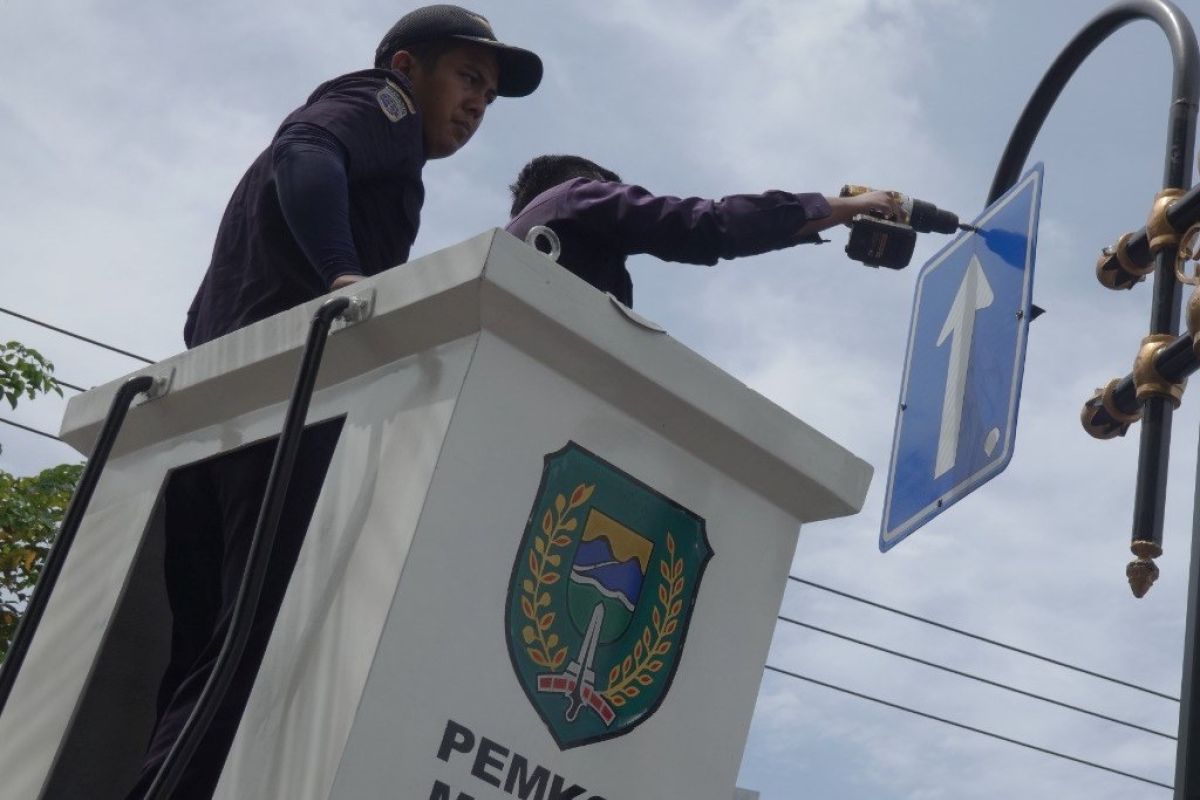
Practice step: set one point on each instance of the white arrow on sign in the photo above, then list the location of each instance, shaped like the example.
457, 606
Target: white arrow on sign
974, 293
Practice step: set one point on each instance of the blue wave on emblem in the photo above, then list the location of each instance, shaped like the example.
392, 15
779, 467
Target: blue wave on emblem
596, 566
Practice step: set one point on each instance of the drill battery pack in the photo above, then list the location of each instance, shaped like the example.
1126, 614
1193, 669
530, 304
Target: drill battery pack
879, 242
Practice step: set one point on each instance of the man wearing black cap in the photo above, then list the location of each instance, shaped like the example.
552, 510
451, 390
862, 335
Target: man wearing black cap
336, 196
338, 193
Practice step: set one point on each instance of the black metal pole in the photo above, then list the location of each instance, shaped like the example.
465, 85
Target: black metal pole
66, 533
1154, 453
250, 590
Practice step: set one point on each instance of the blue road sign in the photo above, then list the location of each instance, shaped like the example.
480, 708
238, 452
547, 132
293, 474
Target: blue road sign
962, 375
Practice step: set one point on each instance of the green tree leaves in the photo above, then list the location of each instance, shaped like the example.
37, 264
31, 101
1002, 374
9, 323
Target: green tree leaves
30, 511
32, 507
24, 372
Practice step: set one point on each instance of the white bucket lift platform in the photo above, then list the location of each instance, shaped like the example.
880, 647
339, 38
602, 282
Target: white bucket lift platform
534, 500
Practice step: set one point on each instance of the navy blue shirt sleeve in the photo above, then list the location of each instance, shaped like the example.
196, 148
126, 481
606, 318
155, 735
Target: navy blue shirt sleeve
692, 230
313, 186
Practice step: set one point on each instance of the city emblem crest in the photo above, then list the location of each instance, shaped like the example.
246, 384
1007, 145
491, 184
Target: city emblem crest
601, 597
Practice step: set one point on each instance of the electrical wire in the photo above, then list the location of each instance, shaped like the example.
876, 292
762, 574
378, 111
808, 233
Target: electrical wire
74, 335
64, 384
59, 381
985, 639
966, 727
978, 678
31, 430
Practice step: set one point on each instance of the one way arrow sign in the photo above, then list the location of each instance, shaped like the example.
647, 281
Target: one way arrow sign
957, 415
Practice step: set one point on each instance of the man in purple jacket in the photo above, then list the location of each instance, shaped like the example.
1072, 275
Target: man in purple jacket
598, 220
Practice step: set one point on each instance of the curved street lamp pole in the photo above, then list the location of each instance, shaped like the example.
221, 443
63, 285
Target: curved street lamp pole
1156, 408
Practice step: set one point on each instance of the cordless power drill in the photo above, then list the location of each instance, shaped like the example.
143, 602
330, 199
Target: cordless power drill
879, 242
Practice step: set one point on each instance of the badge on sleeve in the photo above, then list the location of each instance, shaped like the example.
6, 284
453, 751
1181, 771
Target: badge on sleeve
393, 101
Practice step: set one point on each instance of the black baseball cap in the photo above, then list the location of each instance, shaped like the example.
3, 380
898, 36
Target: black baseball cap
520, 70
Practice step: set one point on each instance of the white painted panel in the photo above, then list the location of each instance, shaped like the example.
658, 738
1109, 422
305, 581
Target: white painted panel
394, 623
443, 656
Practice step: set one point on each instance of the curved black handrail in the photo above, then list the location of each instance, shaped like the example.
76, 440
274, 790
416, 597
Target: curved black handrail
66, 535
250, 590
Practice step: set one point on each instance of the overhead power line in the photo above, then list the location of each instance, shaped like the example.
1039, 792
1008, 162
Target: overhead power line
978, 678
966, 727
985, 639
66, 385
74, 335
31, 430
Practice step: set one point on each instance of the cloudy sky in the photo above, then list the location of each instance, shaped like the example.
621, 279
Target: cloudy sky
126, 125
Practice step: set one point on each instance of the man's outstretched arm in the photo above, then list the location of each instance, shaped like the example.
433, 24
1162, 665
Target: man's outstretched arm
701, 231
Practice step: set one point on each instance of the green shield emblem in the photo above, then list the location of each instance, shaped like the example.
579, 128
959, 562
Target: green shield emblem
601, 597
